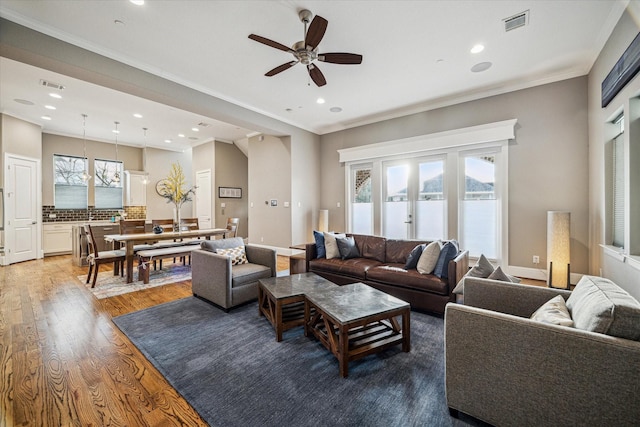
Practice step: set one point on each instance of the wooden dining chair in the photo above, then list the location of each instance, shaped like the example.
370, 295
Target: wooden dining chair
96, 258
232, 227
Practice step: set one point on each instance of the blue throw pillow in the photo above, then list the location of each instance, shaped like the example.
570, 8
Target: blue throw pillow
414, 257
448, 252
321, 252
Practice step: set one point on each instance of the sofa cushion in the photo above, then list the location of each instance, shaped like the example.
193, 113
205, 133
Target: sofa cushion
553, 311
347, 247
248, 273
354, 267
373, 247
599, 305
320, 250
331, 246
397, 250
395, 274
448, 252
237, 255
214, 245
429, 258
414, 257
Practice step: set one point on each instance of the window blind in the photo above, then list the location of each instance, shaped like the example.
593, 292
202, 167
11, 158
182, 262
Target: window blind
618, 191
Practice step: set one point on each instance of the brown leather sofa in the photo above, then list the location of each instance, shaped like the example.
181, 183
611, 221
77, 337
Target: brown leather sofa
381, 265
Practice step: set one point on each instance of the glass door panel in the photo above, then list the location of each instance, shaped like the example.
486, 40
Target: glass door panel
361, 204
396, 206
479, 206
429, 213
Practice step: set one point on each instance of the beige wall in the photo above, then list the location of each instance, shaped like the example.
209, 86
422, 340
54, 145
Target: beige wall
131, 157
548, 161
232, 170
601, 131
305, 188
270, 179
20, 138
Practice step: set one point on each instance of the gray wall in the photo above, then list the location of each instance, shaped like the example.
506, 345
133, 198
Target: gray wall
601, 131
159, 165
548, 161
269, 179
232, 170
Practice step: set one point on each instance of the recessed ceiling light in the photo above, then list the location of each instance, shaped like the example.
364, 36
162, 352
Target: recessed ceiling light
477, 48
137, 115
335, 109
195, 129
55, 95
181, 135
320, 100
115, 131
481, 66
23, 101
45, 118
168, 141
49, 107
137, 2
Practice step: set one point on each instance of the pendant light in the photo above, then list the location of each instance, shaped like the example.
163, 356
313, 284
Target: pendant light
145, 178
85, 174
116, 176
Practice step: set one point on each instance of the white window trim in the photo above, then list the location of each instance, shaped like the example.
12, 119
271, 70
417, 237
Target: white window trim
450, 143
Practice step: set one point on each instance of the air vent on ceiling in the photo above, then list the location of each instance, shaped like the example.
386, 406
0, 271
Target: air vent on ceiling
516, 21
204, 125
51, 84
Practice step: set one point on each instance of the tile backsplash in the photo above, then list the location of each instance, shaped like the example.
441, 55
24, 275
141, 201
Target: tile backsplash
66, 215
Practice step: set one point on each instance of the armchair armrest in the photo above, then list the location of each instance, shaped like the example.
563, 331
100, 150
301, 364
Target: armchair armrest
262, 256
211, 276
457, 268
508, 370
309, 253
511, 298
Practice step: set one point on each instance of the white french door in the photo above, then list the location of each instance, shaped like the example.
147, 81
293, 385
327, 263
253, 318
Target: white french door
414, 199
203, 198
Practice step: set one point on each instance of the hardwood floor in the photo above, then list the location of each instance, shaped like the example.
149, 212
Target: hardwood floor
64, 362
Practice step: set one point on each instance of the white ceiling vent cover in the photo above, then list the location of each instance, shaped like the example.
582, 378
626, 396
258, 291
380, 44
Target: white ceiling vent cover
51, 84
516, 21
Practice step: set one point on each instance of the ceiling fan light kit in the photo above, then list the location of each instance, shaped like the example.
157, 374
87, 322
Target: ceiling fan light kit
306, 51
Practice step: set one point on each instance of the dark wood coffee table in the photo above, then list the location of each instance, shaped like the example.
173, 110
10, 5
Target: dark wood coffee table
281, 299
354, 321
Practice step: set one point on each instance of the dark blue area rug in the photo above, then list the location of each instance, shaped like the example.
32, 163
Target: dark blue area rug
230, 368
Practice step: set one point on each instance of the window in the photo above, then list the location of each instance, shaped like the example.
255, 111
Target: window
70, 191
478, 205
361, 206
108, 189
618, 188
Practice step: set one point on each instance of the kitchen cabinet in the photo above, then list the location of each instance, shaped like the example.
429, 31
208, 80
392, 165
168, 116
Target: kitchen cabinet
56, 239
135, 189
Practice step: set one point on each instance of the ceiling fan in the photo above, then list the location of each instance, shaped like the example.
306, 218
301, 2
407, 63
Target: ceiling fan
306, 51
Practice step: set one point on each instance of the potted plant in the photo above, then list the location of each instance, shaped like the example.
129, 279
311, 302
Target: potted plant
173, 188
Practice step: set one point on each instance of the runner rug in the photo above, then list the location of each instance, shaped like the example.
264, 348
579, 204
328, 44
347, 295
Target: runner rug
230, 368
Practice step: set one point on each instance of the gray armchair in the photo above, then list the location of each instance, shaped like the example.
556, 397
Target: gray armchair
214, 279
508, 370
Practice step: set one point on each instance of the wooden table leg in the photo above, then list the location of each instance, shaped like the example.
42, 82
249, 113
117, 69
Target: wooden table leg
406, 331
129, 256
343, 351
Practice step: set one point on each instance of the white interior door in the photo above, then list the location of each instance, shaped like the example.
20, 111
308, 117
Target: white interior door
22, 198
203, 198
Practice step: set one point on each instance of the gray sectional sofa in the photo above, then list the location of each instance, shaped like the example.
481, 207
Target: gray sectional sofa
508, 370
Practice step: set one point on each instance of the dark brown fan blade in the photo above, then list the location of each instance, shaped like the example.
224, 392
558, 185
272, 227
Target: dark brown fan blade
316, 75
340, 58
281, 68
315, 33
271, 43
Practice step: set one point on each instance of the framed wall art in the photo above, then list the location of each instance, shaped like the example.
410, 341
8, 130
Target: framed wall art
230, 192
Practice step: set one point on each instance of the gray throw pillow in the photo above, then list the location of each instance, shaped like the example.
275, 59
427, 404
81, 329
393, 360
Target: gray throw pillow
347, 247
554, 312
498, 274
483, 268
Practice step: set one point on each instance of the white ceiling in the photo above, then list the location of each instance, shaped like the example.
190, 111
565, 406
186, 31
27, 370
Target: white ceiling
416, 57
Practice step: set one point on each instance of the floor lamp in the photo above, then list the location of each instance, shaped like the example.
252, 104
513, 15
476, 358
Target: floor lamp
323, 220
558, 248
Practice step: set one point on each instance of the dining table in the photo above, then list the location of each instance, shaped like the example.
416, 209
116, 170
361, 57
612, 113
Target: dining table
130, 240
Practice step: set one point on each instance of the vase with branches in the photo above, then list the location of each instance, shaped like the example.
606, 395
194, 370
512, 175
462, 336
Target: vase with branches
175, 191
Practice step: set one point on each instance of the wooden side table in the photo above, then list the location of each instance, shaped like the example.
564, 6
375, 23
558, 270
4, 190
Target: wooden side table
298, 262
